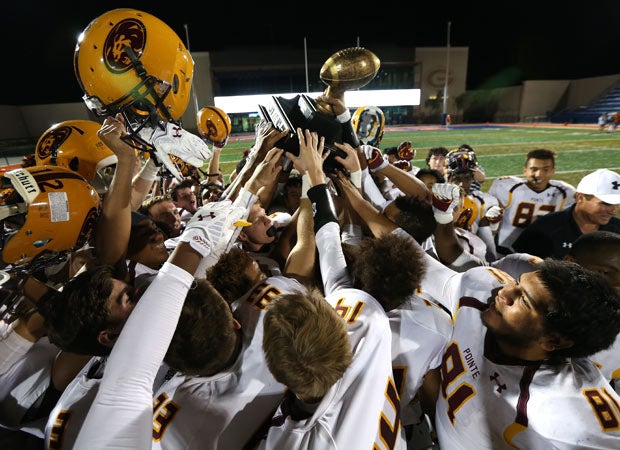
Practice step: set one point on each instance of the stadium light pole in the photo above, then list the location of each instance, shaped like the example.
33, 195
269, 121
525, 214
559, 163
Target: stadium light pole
306, 64
445, 85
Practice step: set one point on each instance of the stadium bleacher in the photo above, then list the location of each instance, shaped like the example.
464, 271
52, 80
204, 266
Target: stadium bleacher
609, 101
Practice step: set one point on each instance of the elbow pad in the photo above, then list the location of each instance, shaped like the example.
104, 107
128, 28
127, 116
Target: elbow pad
322, 205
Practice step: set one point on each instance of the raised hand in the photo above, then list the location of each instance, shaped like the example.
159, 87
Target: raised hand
267, 136
266, 171
374, 158
446, 197
406, 151
403, 165
494, 215
112, 132
351, 162
310, 159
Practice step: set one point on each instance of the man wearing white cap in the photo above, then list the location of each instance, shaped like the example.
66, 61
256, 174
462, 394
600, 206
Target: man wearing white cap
597, 201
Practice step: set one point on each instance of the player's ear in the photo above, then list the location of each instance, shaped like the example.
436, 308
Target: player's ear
554, 341
107, 337
242, 236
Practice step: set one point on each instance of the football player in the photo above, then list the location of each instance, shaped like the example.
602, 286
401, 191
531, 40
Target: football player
525, 199
520, 352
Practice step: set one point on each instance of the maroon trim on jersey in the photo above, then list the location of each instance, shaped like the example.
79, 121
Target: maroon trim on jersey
524, 394
472, 302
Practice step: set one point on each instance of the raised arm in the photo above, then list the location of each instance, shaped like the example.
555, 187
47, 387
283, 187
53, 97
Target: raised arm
114, 223
266, 138
326, 228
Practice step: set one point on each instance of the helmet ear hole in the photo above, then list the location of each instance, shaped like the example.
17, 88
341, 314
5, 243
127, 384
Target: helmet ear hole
175, 84
75, 145
74, 164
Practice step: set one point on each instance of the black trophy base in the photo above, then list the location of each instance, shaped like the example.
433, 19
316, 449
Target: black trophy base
300, 112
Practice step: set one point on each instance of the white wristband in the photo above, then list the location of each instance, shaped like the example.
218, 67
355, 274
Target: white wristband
149, 171
356, 178
444, 218
344, 117
305, 185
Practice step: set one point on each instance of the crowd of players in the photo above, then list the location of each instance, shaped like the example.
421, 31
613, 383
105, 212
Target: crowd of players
316, 300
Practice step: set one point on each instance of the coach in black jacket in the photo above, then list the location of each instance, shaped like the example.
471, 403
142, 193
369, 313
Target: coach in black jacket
597, 202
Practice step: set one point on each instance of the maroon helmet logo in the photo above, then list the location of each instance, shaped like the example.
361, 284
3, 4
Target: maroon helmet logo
127, 33
52, 141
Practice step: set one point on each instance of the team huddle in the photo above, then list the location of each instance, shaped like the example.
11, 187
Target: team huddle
330, 295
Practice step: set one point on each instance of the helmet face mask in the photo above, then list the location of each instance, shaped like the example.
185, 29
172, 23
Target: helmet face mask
130, 62
44, 209
368, 123
75, 145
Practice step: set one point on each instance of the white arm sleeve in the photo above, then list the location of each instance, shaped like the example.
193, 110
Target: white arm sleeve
121, 416
371, 191
331, 259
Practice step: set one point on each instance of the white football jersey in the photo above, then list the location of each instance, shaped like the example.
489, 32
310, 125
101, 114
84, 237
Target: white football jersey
522, 205
516, 264
361, 411
608, 360
66, 419
421, 330
224, 411
24, 383
490, 401
471, 243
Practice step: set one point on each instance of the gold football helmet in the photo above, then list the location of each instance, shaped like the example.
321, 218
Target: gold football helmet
368, 123
214, 125
131, 62
44, 208
75, 145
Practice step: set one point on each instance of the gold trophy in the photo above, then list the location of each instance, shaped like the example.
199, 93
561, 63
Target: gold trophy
350, 68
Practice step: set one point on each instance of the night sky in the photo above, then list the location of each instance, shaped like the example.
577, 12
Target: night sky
508, 42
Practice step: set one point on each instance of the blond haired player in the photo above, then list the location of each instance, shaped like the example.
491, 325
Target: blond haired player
361, 409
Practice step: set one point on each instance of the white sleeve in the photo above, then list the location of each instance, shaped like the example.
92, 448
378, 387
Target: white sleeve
438, 279
488, 238
12, 346
371, 191
333, 266
121, 416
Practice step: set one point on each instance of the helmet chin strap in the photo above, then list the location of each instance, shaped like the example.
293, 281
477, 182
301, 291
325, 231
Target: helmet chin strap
272, 231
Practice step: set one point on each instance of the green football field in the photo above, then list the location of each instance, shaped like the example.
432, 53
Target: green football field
501, 150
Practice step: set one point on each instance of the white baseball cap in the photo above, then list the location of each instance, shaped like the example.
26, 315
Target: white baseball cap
604, 184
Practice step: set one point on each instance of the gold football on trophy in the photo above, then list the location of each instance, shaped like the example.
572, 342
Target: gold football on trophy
350, 68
